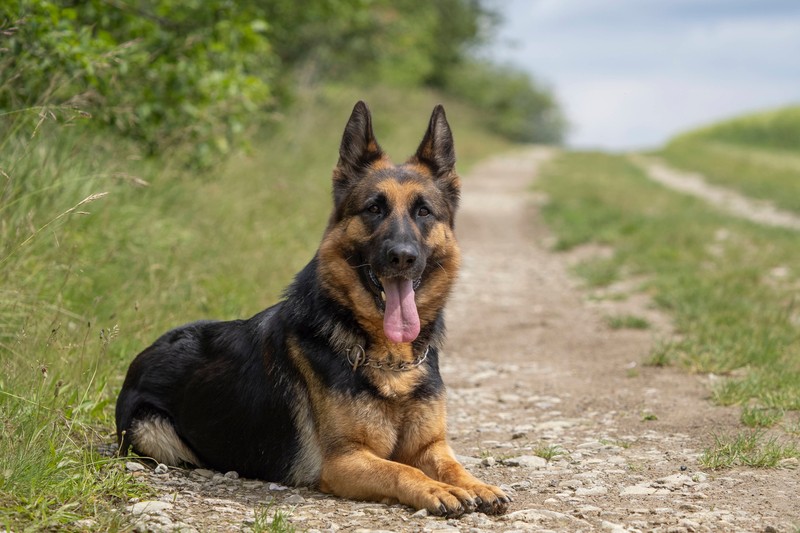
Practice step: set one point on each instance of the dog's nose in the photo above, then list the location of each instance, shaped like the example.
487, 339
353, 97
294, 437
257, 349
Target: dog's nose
403, 255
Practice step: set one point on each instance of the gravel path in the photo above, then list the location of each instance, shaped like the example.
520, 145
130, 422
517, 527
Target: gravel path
533, 369
759, 211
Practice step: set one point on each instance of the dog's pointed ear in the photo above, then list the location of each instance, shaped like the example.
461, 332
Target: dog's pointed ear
437, 152
359, 147
436, 149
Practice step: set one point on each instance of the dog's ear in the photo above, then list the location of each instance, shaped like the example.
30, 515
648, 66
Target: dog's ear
436, 149
359, 149
437, 152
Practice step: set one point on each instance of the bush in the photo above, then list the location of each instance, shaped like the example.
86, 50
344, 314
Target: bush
165, 72
515, 106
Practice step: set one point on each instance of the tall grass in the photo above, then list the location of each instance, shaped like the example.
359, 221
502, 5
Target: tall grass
101, 250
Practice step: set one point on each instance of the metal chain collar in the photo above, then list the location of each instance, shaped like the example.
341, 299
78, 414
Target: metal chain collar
357, 357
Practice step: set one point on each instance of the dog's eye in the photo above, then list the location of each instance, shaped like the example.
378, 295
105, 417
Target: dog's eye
423, 212
374, 209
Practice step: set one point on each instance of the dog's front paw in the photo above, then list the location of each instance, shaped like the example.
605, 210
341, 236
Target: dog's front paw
447, 500
490, 499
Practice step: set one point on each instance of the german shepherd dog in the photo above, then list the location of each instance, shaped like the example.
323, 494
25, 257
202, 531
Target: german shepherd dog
337, 386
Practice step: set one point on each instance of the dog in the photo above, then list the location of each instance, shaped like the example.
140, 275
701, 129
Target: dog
337, 386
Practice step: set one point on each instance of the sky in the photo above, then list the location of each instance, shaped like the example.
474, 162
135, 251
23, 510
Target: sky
631, 74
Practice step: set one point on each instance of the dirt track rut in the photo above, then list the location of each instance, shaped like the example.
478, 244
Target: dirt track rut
532, 365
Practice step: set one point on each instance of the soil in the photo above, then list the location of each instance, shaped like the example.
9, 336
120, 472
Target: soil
533, 368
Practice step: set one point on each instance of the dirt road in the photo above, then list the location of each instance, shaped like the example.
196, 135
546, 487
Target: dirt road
533, 369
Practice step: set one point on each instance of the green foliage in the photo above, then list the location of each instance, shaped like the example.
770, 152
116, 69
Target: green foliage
515, 106
197, 73
163, 72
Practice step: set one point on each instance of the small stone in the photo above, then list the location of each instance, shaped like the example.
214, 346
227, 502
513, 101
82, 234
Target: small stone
294, 499
527, 461
637, 490
149, 507
420, 514
692, 508
232, 475
252, 484
522, 485
519, 435
591, 491
202, 472
86, 524
488, 461
132, 466
277, 486
161, 469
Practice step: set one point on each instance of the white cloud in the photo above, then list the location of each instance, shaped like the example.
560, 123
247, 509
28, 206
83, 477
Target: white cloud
633, 73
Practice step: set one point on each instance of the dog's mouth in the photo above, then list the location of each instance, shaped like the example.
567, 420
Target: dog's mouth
394, 295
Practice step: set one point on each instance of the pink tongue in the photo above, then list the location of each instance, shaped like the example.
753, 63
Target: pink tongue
400, 320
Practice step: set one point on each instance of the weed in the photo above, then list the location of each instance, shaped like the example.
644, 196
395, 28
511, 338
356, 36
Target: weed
753, 449
627, 322
267, 520
549, 451
624, 444
760, 417
647, 416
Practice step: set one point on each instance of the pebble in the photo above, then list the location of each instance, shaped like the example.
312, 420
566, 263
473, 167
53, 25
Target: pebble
132, 466
591, 491
161, 469
488, 461
202, 472
277, 486
232, 475
294, 499
149, 507
527, 461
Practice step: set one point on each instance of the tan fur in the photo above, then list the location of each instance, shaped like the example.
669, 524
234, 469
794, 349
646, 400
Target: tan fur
388, 450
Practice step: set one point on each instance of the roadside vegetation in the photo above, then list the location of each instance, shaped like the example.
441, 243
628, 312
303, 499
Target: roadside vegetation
732, 287
758, 154
167, 161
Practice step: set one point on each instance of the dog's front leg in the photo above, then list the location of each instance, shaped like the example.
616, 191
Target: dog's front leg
362, 475
438, 461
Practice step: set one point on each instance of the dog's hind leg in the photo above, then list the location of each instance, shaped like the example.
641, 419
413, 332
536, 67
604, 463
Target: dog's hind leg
154, 436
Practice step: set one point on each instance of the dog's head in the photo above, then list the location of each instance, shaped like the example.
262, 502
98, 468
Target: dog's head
389, 251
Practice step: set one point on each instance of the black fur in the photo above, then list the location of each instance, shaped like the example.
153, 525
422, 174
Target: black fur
228, 387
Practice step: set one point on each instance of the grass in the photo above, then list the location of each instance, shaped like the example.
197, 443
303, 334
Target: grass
759, 155
627, 322
751, 448
760, 417
713, 273
102, 250
548, 452
265, 520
